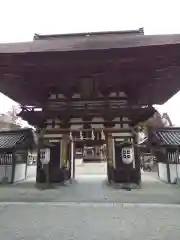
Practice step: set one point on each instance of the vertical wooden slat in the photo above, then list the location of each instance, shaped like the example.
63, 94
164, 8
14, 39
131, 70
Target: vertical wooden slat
13, 166
26, 156
168, 169
137, 156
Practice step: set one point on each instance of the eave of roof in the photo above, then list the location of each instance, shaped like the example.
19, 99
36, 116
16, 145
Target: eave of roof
17, 58
100, 42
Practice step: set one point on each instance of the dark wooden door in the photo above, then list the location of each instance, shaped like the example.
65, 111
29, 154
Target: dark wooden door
54, 164
118, 155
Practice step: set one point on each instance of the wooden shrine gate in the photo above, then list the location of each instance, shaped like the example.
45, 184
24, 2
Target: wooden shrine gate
102, 81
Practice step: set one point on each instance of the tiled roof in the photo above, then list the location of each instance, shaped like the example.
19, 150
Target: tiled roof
10, 139
169, 136
93, 43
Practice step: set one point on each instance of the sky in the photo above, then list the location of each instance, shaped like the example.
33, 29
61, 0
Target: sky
20, 19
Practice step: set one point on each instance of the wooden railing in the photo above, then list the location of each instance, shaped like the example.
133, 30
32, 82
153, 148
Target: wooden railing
173, 157
6, 159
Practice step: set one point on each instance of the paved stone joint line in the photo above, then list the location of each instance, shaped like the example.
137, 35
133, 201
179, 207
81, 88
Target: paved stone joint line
93, 204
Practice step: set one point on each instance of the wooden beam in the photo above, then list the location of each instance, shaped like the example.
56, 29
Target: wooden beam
97, 122
34, 119
84, 99
125, 112
59, 76
68, 130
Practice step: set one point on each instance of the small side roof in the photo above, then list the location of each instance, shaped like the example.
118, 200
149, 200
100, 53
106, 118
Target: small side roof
23, 138
167, 137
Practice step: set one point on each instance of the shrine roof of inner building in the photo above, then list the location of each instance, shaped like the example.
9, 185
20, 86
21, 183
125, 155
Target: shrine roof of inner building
146, 68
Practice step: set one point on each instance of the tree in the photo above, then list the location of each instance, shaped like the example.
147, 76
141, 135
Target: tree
13, 114
156, 121
166, 120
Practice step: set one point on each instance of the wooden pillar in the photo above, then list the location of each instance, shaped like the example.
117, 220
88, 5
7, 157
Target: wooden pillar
73, 159
66, 156
109, 154
137, 158
13, 166
168, 168
26, 156
64, 151
40, 175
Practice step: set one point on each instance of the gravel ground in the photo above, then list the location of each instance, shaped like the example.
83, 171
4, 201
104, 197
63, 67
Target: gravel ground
90, 222
93, 187
90, 209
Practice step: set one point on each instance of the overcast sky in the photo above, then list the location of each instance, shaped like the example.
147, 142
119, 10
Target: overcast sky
20, 19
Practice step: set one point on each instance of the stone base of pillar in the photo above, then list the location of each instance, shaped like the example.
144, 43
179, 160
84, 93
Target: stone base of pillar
122, 176
110, 171
55, 176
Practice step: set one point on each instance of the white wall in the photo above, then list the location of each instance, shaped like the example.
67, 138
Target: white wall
20, 171
163, 172
6, 171
174, 172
